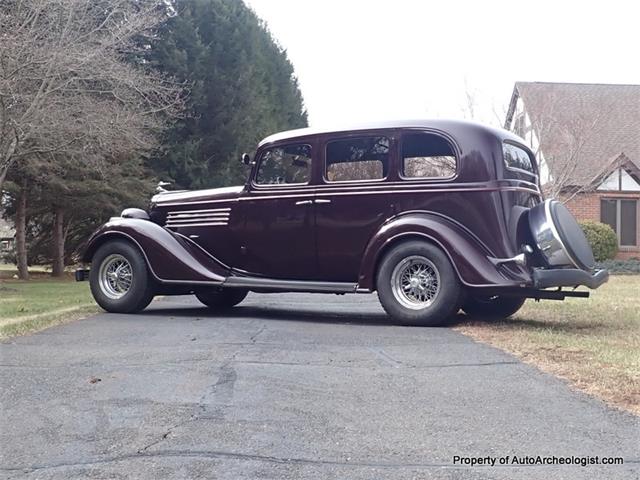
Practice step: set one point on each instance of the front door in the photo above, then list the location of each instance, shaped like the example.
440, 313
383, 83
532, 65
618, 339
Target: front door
278, 237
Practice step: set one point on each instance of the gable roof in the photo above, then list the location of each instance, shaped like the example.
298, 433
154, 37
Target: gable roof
581, 126
617, 161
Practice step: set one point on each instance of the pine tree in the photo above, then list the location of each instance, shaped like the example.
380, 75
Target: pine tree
242, 88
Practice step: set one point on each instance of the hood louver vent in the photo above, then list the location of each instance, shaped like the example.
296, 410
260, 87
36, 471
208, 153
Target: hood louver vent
198, 218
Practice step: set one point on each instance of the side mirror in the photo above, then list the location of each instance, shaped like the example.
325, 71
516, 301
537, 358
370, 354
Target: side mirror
245, 159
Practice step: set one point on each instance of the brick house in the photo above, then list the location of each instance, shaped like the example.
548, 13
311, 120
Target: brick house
586, 138
7, 237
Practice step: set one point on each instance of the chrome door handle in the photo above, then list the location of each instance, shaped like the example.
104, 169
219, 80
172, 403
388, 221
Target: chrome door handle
322, 200
304, 202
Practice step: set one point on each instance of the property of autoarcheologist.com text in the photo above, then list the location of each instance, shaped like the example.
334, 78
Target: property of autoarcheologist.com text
525, 460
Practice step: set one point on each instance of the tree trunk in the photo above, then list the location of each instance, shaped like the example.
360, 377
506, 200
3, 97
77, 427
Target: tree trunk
7, 161
57, 269
21, 234
3, 177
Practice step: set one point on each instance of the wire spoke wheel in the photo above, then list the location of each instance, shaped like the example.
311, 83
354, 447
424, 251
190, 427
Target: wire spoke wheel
415, 282
115, 276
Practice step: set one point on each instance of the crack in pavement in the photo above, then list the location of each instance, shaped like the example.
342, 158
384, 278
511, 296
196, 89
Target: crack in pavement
386, 358
258, 333
301, 364
221, 391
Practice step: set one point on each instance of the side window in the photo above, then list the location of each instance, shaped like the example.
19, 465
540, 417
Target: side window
365, 158
425, 155
288, 164
516, 157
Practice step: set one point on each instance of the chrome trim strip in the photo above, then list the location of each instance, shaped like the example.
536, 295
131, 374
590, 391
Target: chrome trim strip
182, 218
185, 225
209, 210
520, 259
382, 192
212, 217
410, 188
182, 221
191, 282
197, 215
194, 201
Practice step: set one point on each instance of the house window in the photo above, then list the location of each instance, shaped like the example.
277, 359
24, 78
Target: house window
622, 216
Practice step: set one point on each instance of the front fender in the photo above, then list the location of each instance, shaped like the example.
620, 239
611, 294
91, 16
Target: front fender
468, 255
172, 258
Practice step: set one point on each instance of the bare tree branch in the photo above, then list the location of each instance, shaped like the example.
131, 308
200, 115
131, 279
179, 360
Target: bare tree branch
68, 83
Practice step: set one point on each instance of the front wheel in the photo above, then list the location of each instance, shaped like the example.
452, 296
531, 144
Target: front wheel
222, 298
417, 285
119, 278
492, 307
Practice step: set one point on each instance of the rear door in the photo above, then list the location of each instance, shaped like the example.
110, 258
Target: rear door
352, 200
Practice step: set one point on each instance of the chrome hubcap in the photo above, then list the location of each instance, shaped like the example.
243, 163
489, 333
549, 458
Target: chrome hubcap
116, 276
415, 282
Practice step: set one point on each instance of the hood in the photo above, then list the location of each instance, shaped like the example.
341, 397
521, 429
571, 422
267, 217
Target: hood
195, 196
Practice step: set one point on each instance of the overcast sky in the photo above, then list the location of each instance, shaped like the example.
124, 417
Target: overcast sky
360, 60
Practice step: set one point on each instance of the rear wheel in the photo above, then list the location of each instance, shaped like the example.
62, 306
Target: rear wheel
417, 285
119, 278
492, 307
222, 298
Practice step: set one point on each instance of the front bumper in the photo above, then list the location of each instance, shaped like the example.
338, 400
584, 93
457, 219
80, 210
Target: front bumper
568, 277
82, 274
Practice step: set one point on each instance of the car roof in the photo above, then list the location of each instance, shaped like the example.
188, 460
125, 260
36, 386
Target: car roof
436, 124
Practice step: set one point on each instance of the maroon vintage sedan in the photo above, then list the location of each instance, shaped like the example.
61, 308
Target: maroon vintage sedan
434, 216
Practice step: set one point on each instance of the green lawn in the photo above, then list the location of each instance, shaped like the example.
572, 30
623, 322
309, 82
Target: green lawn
37, 304
594, 343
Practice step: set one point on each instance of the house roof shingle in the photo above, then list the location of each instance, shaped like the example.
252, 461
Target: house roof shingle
582, 124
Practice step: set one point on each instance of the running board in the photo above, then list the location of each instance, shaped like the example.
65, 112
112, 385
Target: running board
289, 285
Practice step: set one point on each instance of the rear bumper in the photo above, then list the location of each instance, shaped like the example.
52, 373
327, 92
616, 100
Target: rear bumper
568, 277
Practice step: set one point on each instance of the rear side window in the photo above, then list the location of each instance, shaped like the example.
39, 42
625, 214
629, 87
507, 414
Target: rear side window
425, 155
518, 158
365, 158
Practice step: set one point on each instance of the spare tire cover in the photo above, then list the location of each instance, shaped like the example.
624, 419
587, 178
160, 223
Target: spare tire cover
572, 236
559, 239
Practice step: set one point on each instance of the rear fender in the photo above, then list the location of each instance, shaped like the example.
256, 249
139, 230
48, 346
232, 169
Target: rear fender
468, 255
172, 258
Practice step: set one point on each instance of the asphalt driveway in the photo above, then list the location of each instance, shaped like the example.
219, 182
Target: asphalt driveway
287, 386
